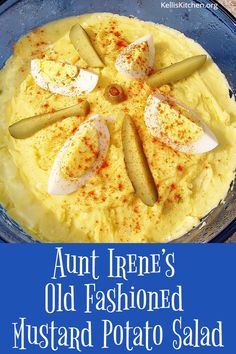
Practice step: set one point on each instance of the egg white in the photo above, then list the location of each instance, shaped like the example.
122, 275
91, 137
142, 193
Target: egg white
57, 184
85, 82
120, 63
205, 143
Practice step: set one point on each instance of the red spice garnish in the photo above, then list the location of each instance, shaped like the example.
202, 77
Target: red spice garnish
141, 83
150, 71
73, 130
105, 164
172, 186
92, 195
117, 34
155, 140
180, 168
178, 197
90, 146
121, 43
120, 186
38, 44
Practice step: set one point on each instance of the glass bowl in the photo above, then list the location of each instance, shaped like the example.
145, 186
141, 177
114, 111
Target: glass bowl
205, 21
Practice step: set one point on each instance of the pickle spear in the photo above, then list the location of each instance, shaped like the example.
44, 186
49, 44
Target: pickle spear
29, 126
136, 163
177, 71
81, 41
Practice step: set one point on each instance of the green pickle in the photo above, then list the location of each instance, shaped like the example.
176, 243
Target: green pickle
81, 41
29, 126
177, 71
136, 163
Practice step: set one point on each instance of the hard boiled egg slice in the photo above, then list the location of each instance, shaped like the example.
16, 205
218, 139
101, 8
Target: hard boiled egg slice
63, 79
80, 158
176, 125
136, 60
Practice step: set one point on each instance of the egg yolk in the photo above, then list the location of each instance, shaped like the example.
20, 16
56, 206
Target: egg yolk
81, 153
57, 72
176, 125
137, 58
